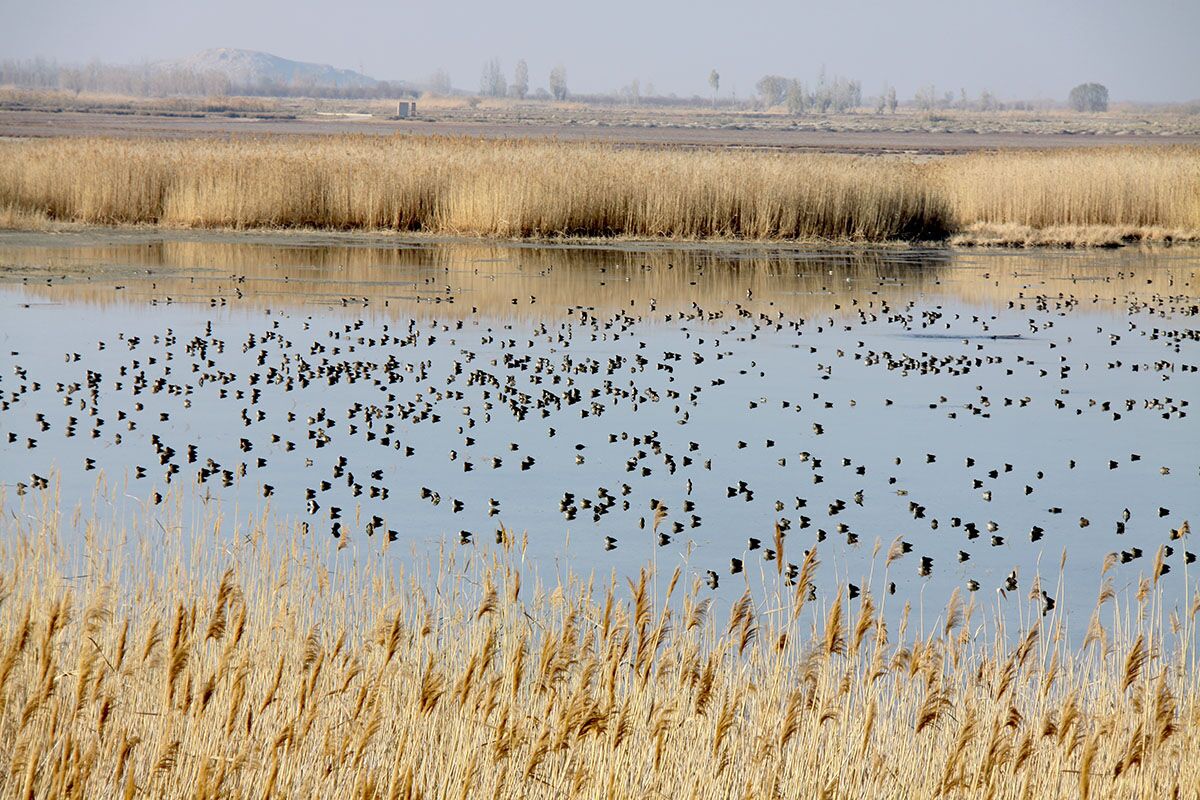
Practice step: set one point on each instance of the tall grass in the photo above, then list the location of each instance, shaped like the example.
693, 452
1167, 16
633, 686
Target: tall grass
540, 189
259, 665
1042, 189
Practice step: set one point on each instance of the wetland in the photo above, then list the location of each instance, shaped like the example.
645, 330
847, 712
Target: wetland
989, 414
307, 514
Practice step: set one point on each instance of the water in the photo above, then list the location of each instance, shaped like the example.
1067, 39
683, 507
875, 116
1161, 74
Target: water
855, 397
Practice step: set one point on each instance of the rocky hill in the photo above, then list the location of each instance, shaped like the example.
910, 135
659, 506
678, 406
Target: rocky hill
254, 68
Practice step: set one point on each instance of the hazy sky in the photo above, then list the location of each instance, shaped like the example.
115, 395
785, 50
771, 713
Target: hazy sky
1140, 49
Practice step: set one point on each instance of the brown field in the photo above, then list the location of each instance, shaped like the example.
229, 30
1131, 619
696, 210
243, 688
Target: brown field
531, 189
915, 141
55, 114
241, 665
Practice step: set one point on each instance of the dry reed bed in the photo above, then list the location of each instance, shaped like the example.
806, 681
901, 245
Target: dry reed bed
260, 664
541, 189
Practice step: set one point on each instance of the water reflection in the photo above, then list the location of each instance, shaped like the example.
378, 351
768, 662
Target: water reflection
454, 279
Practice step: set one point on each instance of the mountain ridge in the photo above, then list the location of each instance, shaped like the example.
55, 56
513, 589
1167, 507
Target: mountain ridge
256, 67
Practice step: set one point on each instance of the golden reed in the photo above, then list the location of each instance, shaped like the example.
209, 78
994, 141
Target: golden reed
261, 662
531, 189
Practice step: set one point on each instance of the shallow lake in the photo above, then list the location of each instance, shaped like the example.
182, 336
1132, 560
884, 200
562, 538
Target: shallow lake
996, 412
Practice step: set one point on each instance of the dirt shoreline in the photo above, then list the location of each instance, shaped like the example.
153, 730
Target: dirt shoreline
74, 235
79, 235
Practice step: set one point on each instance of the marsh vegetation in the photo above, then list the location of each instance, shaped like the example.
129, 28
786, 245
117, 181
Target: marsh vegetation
527, 189
255, 661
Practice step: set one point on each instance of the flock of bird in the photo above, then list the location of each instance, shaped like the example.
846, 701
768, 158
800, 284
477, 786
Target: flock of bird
723, 431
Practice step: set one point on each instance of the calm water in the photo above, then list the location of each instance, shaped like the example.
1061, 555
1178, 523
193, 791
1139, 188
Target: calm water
992, 410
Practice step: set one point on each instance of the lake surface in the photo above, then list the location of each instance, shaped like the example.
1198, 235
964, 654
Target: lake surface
996, 412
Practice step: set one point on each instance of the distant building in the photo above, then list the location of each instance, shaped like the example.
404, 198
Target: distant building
406, 109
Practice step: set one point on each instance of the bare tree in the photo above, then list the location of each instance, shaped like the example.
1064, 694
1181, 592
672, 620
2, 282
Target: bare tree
845, 94
796, 98
771, 89
632, 92
492, 82
1089, 97
822, 97
926, 98
71, 80
520, 84
558, 82
439, 82
887, 100
714, 80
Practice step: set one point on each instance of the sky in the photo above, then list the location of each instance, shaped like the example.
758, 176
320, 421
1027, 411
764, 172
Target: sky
1143, 50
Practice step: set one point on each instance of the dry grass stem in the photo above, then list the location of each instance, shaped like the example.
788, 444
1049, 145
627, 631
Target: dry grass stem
529, 189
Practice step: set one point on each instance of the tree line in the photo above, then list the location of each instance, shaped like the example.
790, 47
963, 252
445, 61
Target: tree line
840, 94
826, 94
151, 80
494, 83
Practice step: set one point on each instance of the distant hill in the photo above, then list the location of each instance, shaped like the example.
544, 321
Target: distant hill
255, 68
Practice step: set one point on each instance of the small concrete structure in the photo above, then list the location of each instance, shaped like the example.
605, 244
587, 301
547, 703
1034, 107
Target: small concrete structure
406, 109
